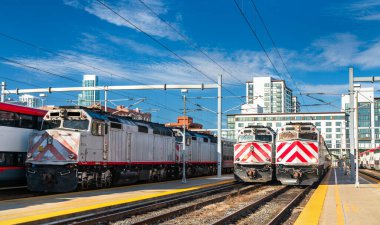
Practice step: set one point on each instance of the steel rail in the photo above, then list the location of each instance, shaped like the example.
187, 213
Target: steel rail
194, 206
252, 205
371, 174
120, 212
282, 214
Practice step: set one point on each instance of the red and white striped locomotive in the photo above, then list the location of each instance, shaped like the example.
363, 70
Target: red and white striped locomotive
254, 154
370, 159
83, 148
302, 156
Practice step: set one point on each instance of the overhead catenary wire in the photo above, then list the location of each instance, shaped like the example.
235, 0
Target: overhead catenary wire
61, 76
161, 44
275, 46
191, 43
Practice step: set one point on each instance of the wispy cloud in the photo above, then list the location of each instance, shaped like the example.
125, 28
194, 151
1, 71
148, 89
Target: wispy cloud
242, 64
368, 10
336, 51
133, 11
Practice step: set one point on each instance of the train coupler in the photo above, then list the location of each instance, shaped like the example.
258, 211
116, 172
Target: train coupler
251, 173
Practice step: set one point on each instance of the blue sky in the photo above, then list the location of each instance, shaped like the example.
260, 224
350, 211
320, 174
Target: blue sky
317, 40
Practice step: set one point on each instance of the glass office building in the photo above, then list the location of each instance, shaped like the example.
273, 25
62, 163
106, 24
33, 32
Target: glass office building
89, 98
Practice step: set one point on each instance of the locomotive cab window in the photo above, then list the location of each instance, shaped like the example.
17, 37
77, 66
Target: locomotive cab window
188, 141
142, 129
76, 124
308, 136
97, 128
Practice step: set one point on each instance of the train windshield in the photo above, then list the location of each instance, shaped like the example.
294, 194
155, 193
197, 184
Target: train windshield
263, 137
308, 136
51, 124
287, 136
246, 138
76, 124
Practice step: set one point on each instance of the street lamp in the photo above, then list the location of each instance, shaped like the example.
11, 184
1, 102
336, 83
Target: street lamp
184, 92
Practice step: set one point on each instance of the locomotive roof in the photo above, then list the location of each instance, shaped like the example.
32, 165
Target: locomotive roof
21, 109
260, 126
300, 123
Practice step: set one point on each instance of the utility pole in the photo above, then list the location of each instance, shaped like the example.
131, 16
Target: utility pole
184, 92
357, 139
3, 86
219, 122
352, 119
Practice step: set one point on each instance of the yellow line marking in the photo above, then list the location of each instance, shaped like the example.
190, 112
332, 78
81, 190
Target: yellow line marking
338, 205
107, 204
126, 187
312, 212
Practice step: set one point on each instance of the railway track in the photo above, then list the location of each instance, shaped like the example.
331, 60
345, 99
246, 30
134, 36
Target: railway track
105, 216
270, 209
370, 173
238, 208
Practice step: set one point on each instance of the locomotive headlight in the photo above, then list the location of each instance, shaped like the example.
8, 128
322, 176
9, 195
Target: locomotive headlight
29, 155
313, 160
279, 159
50, 140
71, 156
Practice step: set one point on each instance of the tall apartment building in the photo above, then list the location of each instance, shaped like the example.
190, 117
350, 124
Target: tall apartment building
30, 101
268, 95
89, 98
331, 125
368, 117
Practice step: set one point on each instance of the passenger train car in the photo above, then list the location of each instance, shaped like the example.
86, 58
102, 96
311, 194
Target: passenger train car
16, 124
370, 159
302, 156
84, 148
254, 154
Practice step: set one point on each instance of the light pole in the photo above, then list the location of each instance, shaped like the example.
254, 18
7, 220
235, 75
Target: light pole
184, 92
357, 139
42, 97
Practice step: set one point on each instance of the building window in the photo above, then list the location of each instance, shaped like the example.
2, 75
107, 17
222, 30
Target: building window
328, 124
318, 124
328, 136
338, 124
269, 124
240, 124
278, 124
328, 130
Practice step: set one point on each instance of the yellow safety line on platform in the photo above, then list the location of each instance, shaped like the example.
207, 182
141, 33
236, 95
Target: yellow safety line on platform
312, 212
338, 203
95, 190
107, 204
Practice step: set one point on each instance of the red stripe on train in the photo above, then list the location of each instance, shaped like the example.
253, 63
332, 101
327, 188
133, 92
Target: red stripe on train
4, 168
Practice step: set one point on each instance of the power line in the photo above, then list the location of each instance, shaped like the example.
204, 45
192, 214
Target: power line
257, 38
37, 69
275, 46
188, 41
161, 44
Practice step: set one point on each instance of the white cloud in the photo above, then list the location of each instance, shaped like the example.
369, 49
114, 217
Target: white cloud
326, 89
135, 12
368, 10
136, 46
242, 64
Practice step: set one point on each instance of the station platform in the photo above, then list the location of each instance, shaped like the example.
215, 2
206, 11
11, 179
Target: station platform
31, 209
338, 201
